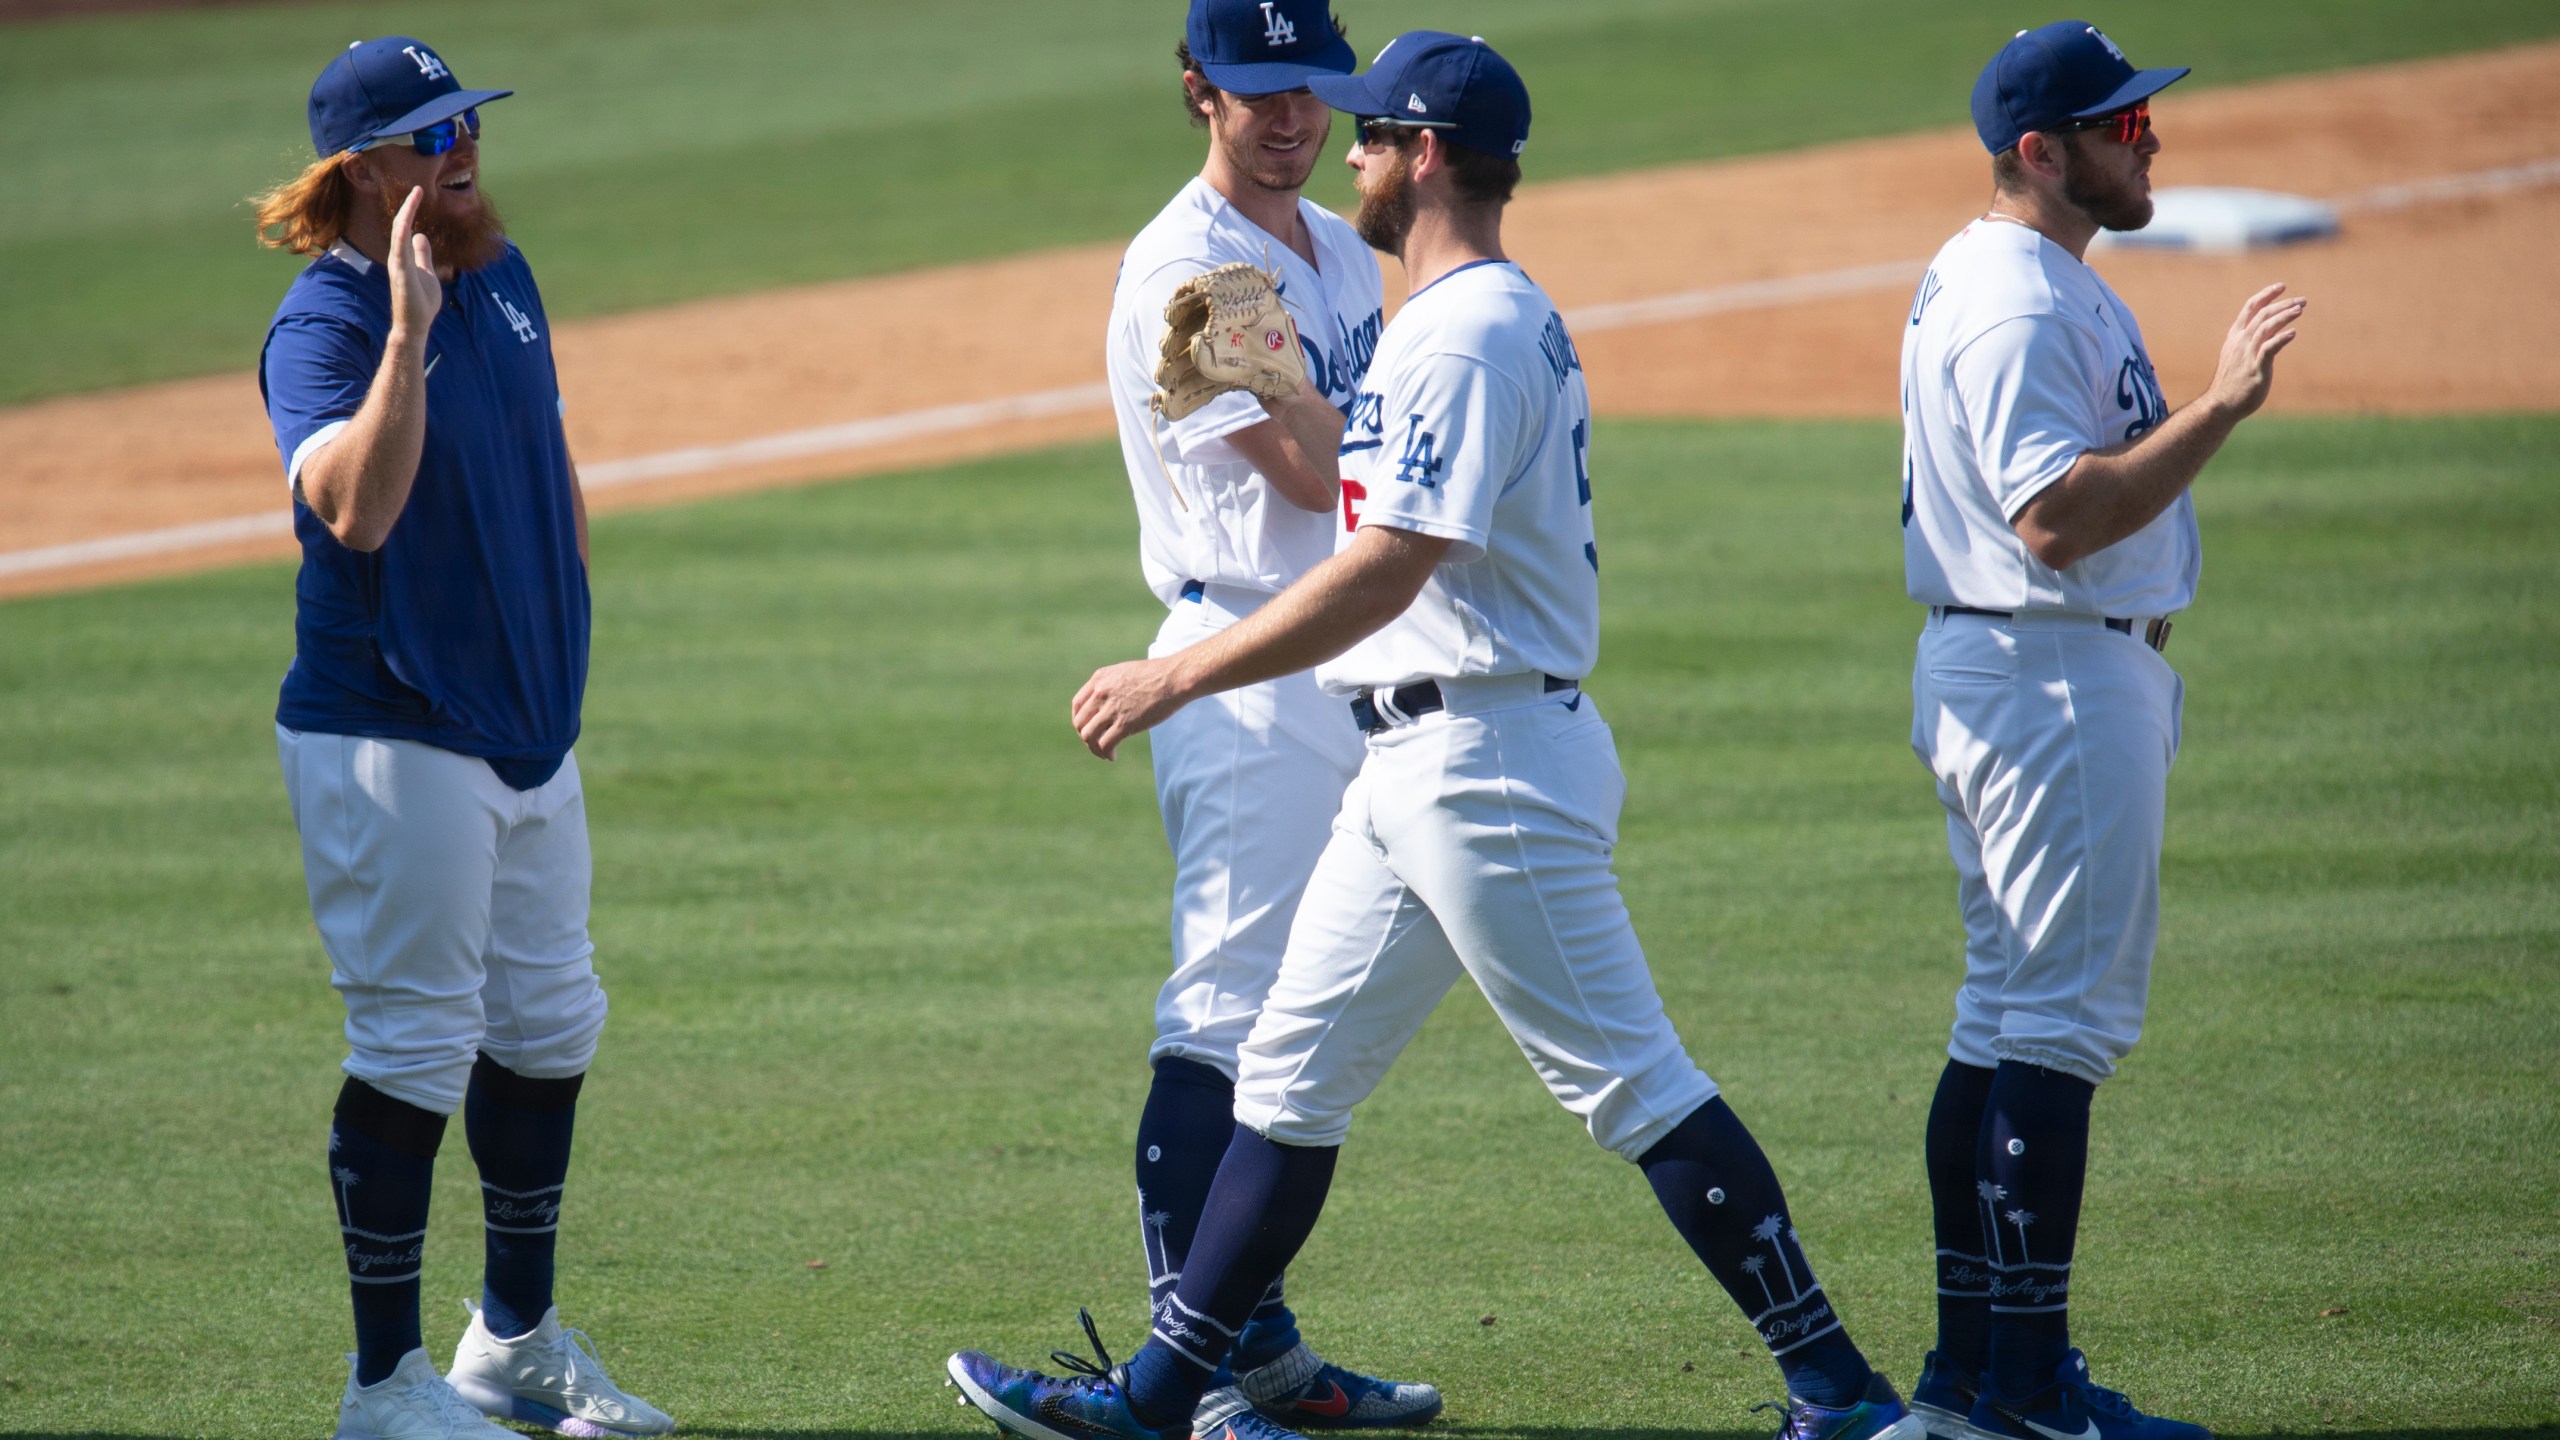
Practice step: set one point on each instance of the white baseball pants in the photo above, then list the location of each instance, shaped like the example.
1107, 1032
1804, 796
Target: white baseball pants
1248, 783
2051, 738
453, 908
1475, 842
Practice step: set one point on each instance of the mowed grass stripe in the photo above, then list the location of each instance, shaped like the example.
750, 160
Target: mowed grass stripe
882, 942
659, 151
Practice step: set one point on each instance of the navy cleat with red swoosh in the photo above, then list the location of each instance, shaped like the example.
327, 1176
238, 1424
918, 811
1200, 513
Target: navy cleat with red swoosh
1305, 1392
2073, 1407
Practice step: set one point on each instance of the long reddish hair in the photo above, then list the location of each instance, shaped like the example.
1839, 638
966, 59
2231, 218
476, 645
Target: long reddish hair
308, 213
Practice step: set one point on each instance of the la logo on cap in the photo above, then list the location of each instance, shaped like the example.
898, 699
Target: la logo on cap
2101, 37
1276, 29
431, 68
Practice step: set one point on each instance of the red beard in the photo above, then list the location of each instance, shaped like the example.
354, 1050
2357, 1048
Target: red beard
467, 242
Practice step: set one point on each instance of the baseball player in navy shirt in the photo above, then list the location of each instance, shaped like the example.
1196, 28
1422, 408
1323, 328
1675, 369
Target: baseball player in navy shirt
425, 729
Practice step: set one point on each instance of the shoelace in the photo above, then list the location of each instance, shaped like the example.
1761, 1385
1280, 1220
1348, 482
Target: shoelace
1795, 1419
580, 1346
2114, 1402
457, 1413
1079, 1365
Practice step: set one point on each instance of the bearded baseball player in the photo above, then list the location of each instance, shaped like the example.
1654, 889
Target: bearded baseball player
2047, 526
440, 655
1234, 503
1454, 623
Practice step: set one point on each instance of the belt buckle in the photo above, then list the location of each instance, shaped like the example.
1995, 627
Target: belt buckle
2156, 634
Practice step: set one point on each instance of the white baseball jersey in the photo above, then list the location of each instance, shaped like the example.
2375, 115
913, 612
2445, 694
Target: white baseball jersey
1235, 531
2019, 360
1475, 426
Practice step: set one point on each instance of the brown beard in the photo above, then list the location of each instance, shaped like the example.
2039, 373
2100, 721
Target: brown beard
1387, 208
466, 245
2111, 205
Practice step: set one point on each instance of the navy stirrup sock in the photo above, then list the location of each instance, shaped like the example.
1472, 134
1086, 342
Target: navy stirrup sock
1182, 1135
2033, 1161
519, 1130
382, 1166
1724, 1199
1256, 1217
1964, 1260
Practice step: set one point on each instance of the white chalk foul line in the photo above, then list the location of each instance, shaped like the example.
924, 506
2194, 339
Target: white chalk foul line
1749, 295
203, 536
845, 438
2453, 187
856, 435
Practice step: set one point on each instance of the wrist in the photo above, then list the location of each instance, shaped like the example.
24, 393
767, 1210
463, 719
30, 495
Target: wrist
404, 340
1184, 679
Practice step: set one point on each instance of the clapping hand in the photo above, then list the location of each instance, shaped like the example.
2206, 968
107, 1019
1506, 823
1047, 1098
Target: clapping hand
2247, 369
416, 293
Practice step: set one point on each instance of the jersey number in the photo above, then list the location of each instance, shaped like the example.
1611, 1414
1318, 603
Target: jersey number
1582, 481
1353, 492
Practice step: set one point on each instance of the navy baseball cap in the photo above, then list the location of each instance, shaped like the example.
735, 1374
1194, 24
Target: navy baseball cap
382, 87
1262, 47
1433, 80
2068, 70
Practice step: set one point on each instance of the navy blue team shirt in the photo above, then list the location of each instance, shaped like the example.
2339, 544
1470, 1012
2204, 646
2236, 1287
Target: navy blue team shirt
468, 629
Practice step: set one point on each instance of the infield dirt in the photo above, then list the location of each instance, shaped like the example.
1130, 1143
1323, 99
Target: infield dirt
2444, 303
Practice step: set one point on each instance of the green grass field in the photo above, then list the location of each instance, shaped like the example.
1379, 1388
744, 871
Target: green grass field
662, 150
881, 942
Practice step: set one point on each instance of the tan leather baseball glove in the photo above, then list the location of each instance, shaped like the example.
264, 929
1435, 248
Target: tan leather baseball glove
1226, 330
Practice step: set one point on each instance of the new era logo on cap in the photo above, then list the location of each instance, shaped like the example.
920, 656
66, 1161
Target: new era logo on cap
1456, 84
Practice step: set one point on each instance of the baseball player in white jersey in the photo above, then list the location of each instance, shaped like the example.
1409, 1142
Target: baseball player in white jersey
1455, 624
1233, 505
2047, 526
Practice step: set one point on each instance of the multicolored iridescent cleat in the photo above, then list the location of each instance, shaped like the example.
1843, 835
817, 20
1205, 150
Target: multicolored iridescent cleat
1091, 1401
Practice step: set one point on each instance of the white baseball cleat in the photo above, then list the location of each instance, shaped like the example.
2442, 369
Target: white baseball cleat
413, 1402
548, 1376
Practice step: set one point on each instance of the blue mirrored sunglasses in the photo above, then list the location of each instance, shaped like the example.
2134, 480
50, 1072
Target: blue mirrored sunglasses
434, 139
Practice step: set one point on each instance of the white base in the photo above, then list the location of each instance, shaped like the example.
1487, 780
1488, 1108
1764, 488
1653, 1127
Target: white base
2216, 220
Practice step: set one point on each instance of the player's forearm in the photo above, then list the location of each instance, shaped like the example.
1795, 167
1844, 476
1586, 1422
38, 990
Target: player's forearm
359, 483
1337, 605
2111, 494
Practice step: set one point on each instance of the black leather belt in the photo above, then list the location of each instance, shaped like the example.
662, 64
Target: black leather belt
2155, 635
1194, 589
1419, 698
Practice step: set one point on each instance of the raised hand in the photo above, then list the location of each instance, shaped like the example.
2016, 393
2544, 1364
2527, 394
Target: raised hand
2247, 369
416, 293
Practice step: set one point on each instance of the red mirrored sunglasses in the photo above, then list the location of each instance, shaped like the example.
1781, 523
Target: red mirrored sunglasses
2124, 126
